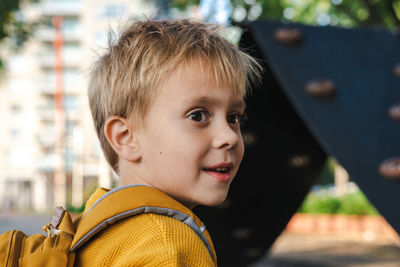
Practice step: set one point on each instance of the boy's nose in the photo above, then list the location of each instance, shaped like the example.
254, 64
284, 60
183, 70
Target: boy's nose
226, 137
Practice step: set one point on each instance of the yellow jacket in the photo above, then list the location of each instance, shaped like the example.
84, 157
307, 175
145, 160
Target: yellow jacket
145, 240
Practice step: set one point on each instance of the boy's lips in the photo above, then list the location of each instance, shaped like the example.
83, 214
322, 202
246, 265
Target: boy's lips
221, 171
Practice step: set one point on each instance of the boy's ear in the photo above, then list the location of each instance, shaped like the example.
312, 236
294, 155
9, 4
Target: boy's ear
122, 138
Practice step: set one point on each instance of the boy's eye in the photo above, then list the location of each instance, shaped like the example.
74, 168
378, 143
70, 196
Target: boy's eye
198, 116
236, 118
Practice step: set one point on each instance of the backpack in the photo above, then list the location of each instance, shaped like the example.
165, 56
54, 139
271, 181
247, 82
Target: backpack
63, 240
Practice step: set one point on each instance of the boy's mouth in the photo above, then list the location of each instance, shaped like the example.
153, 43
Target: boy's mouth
221, 172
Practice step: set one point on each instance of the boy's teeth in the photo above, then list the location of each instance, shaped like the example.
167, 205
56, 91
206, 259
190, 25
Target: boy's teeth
220, 169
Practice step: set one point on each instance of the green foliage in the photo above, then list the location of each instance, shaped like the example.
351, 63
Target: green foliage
344, 13
320, 205
12, 24
323, 202
74, 209
272, 9
182, 4
327, 175
7, 7
357, 203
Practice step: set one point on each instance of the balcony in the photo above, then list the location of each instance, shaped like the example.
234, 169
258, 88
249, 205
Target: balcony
47, 35
46, 139
60, 8
47, 162
91, 169
73, 115
48, 88
48, 61
46, 114
18, 174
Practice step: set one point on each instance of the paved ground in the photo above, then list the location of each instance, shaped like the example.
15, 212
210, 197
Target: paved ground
28, 223
290, 250
295, 250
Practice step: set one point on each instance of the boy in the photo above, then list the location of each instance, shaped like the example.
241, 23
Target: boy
167, 102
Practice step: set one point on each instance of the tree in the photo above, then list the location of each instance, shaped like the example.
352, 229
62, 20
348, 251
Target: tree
344, 13
12, 24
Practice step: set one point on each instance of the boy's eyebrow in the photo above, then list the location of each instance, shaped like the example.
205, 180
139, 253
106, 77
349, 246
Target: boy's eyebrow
205, 100
240, 104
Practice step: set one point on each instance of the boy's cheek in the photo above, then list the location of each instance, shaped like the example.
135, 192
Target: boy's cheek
242, 148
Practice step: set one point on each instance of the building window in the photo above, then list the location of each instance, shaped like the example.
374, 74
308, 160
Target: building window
101, 39
69, 25
49, 76
18, 86
17, 64
112, 11
72, 76
71, 102
15, 133
71, 50
16, 109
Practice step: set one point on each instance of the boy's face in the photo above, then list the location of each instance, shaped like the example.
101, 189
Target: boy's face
190, 141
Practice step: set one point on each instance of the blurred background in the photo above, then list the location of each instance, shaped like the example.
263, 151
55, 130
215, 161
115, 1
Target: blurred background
49, 152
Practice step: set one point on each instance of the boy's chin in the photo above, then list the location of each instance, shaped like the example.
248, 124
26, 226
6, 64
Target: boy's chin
214, 201
209, 200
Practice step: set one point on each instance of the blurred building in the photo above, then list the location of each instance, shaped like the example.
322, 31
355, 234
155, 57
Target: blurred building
28, 126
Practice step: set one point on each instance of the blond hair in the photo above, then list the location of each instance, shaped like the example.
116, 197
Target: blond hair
124, 79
